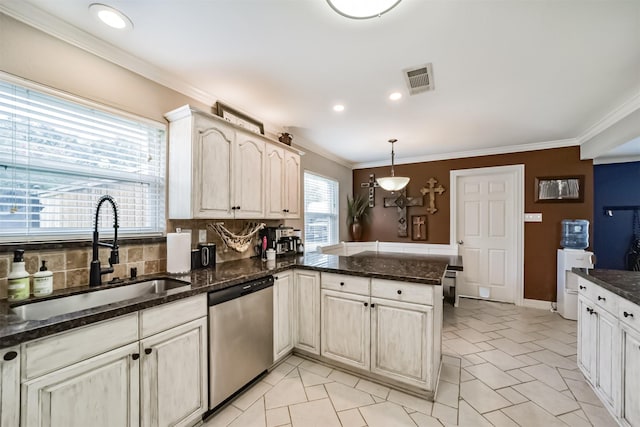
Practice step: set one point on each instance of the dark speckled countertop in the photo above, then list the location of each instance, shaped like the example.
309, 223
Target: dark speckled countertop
623, 283
425, 269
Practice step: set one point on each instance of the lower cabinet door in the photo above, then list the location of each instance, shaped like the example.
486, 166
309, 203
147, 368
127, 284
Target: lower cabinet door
173, 376
608, 377
400, 337
98, 392
10, 387
306, 321
346, 323
630, 411
282, 314
587, 333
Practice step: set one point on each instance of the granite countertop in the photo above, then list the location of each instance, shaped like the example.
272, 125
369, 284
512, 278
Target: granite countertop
621, 282
426, 269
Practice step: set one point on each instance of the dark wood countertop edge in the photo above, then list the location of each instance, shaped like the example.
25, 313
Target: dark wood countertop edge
629, 296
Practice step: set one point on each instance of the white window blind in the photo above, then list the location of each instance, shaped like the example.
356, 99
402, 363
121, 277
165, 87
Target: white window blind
59, 155
320, 211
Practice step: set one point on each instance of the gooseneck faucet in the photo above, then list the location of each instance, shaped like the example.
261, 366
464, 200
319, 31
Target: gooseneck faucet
95, 274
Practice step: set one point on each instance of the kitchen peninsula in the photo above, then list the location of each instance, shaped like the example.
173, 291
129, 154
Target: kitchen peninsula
378, 315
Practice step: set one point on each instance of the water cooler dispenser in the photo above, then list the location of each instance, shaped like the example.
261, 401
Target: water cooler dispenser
575, 238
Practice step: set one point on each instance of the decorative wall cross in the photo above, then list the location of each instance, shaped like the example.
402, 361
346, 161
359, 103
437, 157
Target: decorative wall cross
402, 202
432, 190
418, 222
371, 185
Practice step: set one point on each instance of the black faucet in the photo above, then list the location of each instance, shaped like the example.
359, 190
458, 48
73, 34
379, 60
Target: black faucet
95, 274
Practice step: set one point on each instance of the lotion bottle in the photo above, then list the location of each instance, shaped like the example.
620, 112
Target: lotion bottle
18, 288
42, 281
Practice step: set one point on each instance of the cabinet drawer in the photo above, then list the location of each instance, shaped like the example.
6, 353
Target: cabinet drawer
605, 299
629, 313
586, 288
166, 316
48, 354
402, 291
345, 283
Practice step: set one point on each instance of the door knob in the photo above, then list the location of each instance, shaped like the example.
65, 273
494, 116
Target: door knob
460, 242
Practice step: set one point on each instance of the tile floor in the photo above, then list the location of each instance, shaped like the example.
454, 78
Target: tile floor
502, 366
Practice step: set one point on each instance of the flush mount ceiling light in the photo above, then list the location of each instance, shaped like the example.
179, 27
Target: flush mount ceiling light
338, 107
393, 183
362, 9
395, 96
110, 16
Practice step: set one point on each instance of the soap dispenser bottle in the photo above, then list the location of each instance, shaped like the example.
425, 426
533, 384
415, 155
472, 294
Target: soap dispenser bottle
18, 288
42, 281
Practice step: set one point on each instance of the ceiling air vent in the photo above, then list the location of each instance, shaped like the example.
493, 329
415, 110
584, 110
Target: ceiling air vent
419, 78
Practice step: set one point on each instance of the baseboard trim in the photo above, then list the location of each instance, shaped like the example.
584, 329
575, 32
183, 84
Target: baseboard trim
536, 303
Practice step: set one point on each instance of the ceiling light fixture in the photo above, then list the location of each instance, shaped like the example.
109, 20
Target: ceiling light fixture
338, 108
362, 9
393, 183
395, 96
110, 16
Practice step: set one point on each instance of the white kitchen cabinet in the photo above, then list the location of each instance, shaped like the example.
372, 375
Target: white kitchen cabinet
100, 392
346, 328
248, 167
283, 292
291, 185
275, 182
307, 311
10, 387
402, 341
173, 376
630, 409
587, 332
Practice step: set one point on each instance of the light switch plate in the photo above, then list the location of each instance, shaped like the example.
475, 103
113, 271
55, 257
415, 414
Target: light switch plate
202, 236
533, 217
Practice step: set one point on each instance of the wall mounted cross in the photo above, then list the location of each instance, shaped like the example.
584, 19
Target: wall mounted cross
402, 202
431, 190
371, 185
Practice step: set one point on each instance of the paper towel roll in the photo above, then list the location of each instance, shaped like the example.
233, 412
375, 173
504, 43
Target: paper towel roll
178, 253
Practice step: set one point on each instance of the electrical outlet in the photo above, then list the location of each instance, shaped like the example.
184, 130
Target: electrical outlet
533, 217
202, 236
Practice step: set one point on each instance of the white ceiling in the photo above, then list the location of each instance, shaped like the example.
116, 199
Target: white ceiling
506, 73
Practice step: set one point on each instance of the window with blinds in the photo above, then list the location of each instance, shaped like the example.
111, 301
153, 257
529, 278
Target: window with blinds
320, 211
58, 155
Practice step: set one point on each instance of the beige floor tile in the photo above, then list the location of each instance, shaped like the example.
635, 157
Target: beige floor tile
278, 373
451, 360
318, 413
553, 359
583, 392
278, 417
481, 397
571, 374
472, 335
574, 420
598, 416
309, 378
465, 375
510, 347
423, 420
247, 398
501, 359
316, 392
224, 417
559, 335
252, 417
294, 374
494, 335
492, 376
461, 346
525, 326
450, 373
485, 346
568, 326
377, 399
531, 415
467, 416
344, 378
448, 394
472, 359
511, 395
316, 368
294, 360
344, 397
488, 318
499, 419
520, 375
547, 375
373, 388
557, 347
531, 346
551, 400
410, 402
481, 326
519, 336
351, 418
287, 392
386, 414
528, 361
445, 414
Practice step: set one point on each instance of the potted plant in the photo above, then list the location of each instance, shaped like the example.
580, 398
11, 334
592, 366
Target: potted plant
357, 214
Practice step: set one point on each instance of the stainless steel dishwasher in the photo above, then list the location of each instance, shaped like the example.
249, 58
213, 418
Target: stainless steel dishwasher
240, 337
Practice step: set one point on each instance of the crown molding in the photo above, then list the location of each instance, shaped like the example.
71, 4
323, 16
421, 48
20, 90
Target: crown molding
475, 153
315, 148
41, 20
619, 113
610, 160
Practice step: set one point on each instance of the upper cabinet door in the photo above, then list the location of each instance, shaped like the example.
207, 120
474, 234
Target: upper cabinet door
292, 185
213, 174
275, 182
249, 174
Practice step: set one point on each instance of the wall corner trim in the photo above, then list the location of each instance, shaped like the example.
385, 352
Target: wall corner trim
536, 303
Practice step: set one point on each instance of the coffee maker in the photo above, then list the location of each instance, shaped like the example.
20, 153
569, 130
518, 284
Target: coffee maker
280, 238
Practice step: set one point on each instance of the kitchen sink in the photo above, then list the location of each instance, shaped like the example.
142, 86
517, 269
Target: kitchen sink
70, 304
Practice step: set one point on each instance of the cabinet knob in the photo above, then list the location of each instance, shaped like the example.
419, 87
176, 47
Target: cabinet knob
10, 355
583, 287
627, 314
372, 305
601, 298
135, 356
148, 350
366, 304
341, 283
399, 292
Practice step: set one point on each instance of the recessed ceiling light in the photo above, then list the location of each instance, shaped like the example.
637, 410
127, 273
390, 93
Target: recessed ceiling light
110, 16
395, 96
338, 107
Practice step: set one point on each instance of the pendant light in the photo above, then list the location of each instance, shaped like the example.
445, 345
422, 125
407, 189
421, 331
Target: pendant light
393, 183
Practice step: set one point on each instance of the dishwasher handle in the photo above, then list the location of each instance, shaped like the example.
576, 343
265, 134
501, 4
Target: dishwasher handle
233, 292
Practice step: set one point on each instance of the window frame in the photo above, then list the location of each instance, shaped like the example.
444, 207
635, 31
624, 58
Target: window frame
333, 216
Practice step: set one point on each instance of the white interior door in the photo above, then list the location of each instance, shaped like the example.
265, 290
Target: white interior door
487, 223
